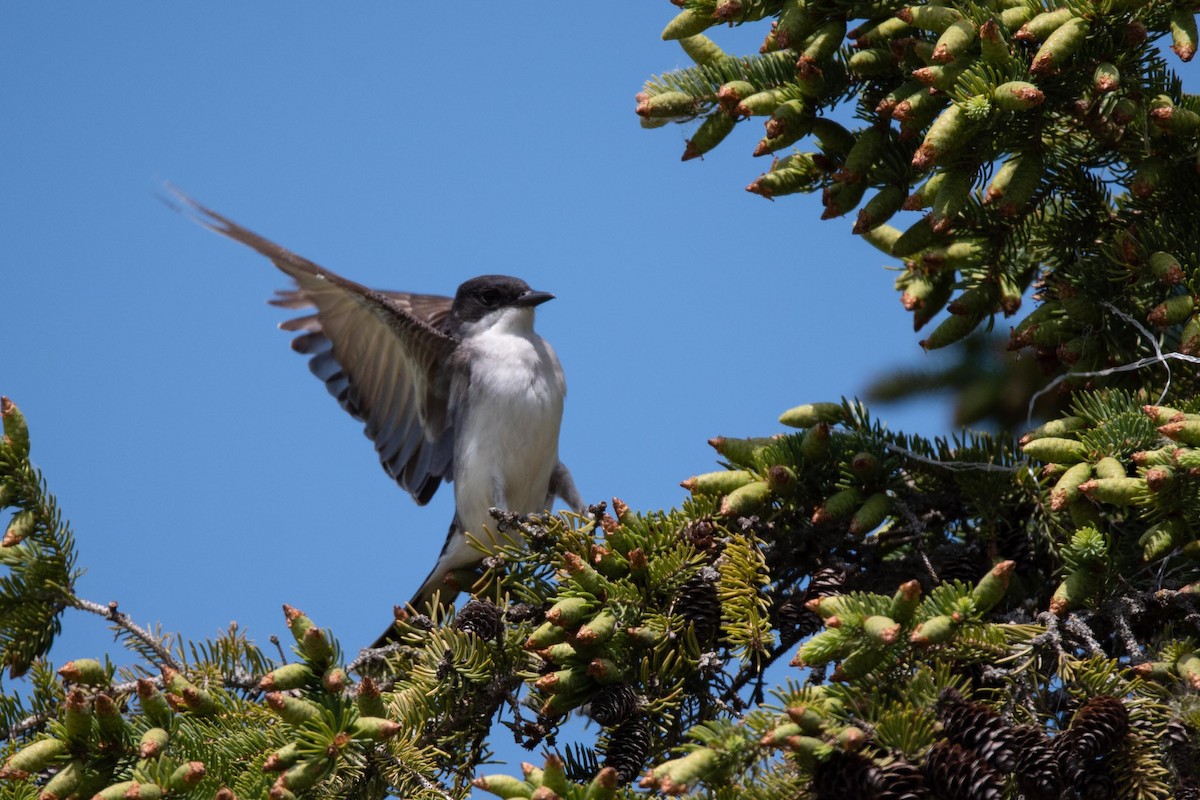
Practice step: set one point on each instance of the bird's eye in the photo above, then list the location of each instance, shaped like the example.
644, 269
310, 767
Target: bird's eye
489, 297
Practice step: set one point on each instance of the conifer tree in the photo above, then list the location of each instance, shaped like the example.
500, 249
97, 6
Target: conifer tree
1006, 615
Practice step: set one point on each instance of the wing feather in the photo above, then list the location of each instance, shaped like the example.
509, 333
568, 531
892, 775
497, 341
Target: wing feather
379, 353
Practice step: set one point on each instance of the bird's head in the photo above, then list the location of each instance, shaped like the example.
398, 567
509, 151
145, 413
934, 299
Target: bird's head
492, 299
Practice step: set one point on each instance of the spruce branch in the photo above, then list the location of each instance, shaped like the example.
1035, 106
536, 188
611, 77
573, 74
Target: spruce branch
123, 622
953, 466
1159, 357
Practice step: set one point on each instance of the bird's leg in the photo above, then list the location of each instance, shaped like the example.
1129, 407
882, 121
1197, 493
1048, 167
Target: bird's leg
563, 485
498, 499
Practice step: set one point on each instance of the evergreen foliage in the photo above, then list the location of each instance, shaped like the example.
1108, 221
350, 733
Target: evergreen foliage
1049, 147
982, 616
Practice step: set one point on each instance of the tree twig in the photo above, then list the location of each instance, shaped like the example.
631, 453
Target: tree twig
122, 620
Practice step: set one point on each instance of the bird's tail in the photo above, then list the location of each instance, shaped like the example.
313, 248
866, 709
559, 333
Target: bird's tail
434, 585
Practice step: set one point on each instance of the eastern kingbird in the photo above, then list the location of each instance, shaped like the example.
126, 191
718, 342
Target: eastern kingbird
458, 389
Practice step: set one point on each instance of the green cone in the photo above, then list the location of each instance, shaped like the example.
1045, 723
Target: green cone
1060, 46
1183, 31
810, 414
712, 131
688, 22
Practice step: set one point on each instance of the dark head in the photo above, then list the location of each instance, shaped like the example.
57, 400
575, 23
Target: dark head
487, 294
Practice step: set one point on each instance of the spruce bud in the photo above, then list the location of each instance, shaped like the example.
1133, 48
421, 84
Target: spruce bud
1063, 426
1185, 431
153, 742
838, 506
16, 432
948, 132
35, 757
935, 19
1106, 78
569, 612
810, 414
295, 711
702, 50
1017, 96
825, 41
1183, 31
1076, 589
666, 105
872, 62
20, 526
77, 717
1066, 490
992, 45
376, 729
154, 705
599, 628
732, 93
288, 676
951, 197
721, 482
905, 601
1059, 46
880, 208
952, 329
860, 663
1039, 28
1166, 268
871, 514
991, 588
504, 786
186, 776
1056, 450
688, 22
915, 238
1116, 491
64, 783
881, 630
712, 131
954, 41
1172, 311
935, 630
87, 671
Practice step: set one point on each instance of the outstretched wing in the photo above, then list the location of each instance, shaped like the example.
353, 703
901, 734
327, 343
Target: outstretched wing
379, 353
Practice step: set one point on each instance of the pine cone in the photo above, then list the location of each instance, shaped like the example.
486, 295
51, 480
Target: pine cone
959, 562
1184, 752
826, 580
796, 621
701, 534
480, 617
1176, 734
627, 748
1096, 784
956, 773
1036, 764
698, 604
523, 612
1014, 542
845, 776
901, 781
977, 727
1098, 727
613, 704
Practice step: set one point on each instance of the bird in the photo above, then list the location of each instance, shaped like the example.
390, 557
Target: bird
458, 389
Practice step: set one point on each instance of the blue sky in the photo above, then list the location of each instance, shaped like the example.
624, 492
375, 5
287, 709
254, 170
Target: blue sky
207, 474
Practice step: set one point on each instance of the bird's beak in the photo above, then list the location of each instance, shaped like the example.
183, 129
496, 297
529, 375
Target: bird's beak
532, 298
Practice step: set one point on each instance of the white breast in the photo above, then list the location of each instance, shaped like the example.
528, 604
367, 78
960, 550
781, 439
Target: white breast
509, 438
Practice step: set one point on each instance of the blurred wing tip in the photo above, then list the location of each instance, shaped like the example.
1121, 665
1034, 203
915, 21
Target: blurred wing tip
183, 203
170, 196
